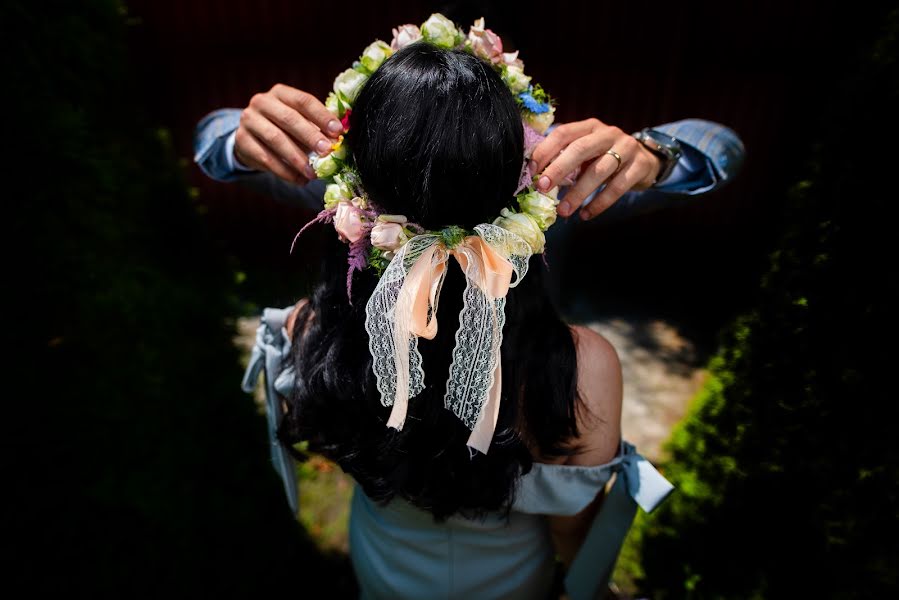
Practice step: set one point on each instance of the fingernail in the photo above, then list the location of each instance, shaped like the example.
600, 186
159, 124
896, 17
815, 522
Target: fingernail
309, 172
532, 165
584, 215
334, 126
564, 209
543, 183
322, 146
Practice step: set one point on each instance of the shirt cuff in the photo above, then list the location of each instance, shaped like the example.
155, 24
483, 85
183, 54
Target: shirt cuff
231, 161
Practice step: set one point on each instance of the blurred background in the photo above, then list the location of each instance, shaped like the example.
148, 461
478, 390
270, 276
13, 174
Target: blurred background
755, 323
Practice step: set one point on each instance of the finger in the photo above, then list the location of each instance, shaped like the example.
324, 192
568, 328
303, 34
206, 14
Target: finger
649, 169
287, 119
577, 152
560, 137
308, 105
274, 139
256, 155
595, 174
616, 187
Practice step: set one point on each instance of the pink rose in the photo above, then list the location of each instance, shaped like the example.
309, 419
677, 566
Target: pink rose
404, 35
388, 236
511, 59
485, 43
348, 222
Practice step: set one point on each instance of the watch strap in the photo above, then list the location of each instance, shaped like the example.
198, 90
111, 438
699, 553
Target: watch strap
668, 154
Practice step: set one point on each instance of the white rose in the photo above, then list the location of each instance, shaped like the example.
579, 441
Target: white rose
515, 79
376, 53
540, 123
511, 59
337, 192
404, 35
542, 207
439, 31
388, 236
348, 84
324, 166
331, 103
524, 226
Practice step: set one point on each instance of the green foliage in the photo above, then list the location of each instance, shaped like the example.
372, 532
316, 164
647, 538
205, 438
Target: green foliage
135, 466
787, 469
377, 261
453, 235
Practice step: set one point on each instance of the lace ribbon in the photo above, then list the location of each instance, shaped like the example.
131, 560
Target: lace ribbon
403, 308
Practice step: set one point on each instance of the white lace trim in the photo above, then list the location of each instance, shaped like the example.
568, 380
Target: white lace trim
478, 339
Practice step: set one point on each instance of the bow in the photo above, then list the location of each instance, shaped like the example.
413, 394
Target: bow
403, 308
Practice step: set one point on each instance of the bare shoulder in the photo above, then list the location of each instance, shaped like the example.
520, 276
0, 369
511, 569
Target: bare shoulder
599, 384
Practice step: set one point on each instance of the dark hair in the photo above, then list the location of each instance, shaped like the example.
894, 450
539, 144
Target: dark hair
434, 135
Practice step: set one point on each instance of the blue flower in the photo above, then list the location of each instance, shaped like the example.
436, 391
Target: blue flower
532, 104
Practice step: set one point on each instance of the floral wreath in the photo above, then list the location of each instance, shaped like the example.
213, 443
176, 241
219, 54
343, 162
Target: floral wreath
411, 262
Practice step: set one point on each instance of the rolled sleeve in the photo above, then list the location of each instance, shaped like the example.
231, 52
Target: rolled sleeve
712, 156
214, 144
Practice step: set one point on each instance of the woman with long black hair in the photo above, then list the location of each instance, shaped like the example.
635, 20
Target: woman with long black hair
435, 139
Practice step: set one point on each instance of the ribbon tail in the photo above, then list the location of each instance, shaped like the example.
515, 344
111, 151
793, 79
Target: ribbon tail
645, 484
482, 434
392, 339
476, 356
401, 360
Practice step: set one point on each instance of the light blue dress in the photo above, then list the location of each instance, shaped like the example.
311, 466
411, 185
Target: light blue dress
398, 551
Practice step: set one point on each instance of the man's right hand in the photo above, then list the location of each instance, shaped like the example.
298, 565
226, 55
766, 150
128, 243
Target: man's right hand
279, 128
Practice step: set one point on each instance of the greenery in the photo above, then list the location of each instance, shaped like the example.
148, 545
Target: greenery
133, 464
787, 468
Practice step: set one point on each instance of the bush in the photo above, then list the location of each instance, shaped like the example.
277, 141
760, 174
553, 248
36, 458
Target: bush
133, 463
787, 466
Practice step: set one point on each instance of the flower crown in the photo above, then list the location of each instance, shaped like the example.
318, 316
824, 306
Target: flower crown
374, 237
411, 262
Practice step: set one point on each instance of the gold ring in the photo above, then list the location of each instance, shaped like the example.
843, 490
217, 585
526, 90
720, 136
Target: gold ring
617, 157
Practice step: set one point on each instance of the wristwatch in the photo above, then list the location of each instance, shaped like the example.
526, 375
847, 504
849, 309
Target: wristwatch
667, 148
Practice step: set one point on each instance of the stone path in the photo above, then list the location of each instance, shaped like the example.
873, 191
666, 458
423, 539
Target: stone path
662, 374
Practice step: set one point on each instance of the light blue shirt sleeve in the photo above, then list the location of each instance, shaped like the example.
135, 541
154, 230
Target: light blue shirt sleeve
713, 155
214, 144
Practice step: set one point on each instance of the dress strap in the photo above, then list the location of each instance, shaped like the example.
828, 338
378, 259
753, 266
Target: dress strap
269, 356
637, 483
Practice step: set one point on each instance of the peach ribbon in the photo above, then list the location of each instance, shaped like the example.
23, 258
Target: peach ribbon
490, 272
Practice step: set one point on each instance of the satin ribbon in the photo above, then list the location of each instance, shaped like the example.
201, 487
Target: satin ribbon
638, 483
403, 308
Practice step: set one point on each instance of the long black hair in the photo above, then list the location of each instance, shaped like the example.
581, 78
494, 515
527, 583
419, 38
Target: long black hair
436, 136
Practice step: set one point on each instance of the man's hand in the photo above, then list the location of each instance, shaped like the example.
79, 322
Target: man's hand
583, 144
279, 128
